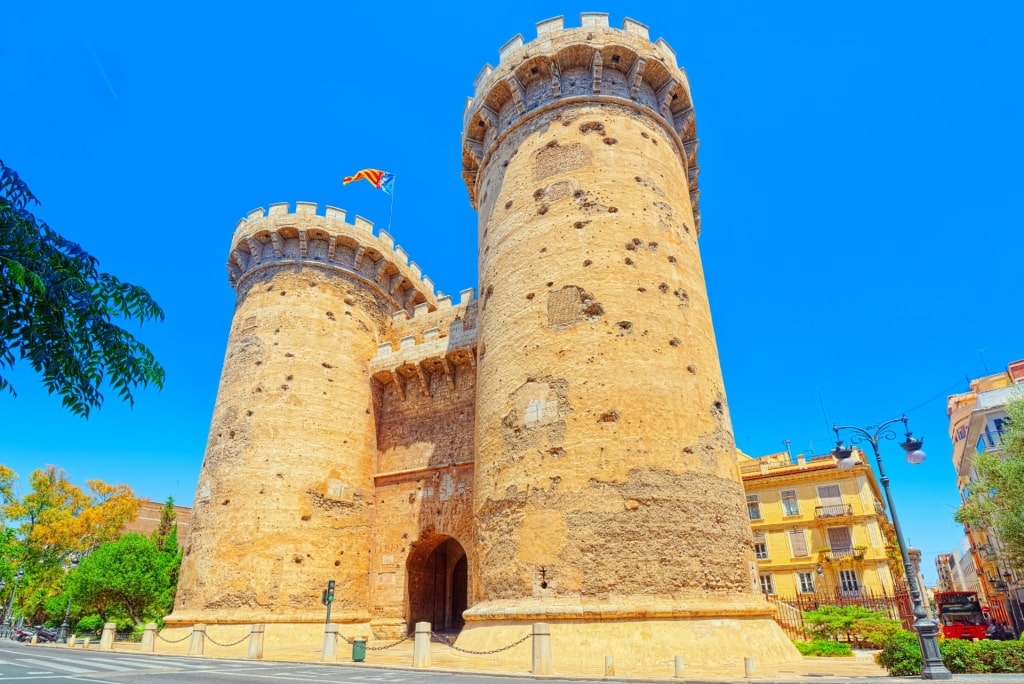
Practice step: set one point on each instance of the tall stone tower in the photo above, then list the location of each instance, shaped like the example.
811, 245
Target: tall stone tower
606, 492
285, 499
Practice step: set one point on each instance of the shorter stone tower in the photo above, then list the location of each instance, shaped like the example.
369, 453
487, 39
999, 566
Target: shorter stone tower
285, 499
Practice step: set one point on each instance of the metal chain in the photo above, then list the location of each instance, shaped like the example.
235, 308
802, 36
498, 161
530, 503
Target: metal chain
172, 641
380, 648
233, 643
444, 641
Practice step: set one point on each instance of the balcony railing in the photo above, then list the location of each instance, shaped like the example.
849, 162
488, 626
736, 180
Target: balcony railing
834, 511
839, 554
990, 440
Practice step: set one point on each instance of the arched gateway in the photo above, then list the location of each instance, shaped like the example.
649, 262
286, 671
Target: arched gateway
437, 583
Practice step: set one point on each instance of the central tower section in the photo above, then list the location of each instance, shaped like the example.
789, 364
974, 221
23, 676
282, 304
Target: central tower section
605, 490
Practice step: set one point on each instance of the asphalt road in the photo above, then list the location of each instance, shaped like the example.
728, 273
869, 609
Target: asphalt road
25, 663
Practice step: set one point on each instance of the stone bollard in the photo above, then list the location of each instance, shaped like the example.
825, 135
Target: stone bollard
107, 638
256, 642
541, 649
329, 650
72, 641
85, 642
679, 667
195, 645
748, 667
149, 638
609, 666
34, 640
421, 645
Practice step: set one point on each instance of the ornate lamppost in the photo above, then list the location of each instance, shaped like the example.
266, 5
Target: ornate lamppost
62, 633
926, 628
10, 601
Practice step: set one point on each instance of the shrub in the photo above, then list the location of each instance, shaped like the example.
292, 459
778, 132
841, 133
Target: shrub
825, 649
90, 624
1000, 656
876, 630
901, 655
961, 655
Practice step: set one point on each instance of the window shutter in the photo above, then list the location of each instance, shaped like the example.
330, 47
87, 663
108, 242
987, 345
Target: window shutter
798, 541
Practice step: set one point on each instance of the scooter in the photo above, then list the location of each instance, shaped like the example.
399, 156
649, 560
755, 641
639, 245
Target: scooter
23, 634
45, 634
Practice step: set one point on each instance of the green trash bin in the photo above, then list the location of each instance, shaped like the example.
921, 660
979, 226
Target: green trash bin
358, 650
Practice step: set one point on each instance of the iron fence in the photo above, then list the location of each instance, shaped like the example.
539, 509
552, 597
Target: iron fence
790, 609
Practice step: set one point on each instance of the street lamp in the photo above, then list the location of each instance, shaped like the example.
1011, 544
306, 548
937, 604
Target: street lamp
62, 633
10, 601
926, 628
1013, 602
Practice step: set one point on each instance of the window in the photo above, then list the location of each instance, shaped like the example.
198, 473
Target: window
767, 586
760, 547
753, 507
829, 495
790, 506
798, 543
840, 539
805, 582
848, 583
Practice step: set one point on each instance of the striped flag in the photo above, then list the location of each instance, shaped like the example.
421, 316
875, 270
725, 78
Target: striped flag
382, 180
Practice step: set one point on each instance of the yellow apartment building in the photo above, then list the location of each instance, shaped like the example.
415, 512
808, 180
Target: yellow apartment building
819, 530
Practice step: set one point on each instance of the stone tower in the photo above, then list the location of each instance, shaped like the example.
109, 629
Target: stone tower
606, 497
285, 495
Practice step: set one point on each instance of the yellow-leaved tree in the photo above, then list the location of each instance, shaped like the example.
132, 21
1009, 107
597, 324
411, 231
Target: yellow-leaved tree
53, 525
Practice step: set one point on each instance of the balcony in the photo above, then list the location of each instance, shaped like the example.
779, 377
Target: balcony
834, 511
990, 440
844, 554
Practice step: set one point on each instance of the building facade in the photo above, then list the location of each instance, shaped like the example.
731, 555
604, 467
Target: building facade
977, 420
818, 529
487, 464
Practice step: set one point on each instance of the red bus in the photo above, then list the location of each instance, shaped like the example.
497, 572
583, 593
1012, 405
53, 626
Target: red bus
961, 615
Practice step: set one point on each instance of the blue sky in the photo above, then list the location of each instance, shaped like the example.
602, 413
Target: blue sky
860, 185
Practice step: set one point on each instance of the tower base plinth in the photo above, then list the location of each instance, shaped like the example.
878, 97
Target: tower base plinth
642, 634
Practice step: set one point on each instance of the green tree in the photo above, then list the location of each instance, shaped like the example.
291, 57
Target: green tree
996, 498
855, 624
166, 524
57, 310
125, 577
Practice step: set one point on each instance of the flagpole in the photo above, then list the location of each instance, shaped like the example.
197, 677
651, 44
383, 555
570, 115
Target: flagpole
391, 211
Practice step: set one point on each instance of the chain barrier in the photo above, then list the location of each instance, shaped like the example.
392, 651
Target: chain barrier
172, 641
438, 637
233, 643
380, 648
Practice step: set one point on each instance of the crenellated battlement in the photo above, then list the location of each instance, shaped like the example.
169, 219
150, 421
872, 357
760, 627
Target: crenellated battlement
590, 63
280, 235
429, 343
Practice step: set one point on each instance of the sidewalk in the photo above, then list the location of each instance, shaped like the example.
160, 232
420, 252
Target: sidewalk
860, 669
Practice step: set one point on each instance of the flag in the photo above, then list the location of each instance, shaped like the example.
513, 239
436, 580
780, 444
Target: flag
382, 180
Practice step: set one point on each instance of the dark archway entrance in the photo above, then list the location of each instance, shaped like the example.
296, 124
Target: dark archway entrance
437, 583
